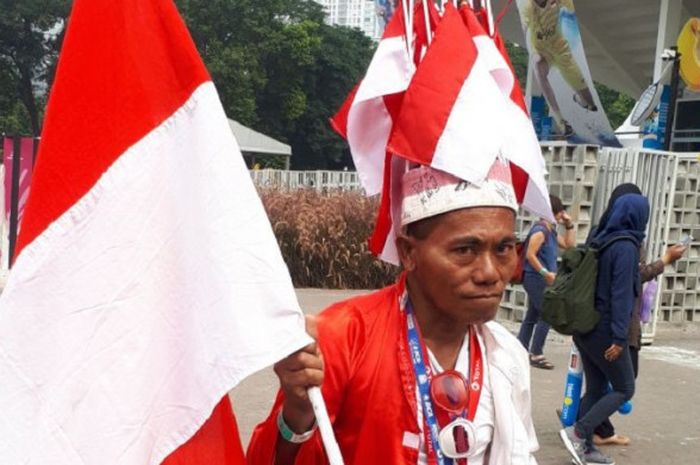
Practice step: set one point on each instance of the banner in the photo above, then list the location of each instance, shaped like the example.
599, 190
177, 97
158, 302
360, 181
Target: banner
26, 163
559, 64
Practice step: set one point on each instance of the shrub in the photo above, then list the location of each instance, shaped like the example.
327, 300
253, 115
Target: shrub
323, 238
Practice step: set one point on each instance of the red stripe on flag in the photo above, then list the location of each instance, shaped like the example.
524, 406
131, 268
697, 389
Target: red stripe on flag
217, 442
339, 121
124, 68
383, 222
436, 84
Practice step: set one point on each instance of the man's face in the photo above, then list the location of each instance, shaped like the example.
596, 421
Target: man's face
464, 262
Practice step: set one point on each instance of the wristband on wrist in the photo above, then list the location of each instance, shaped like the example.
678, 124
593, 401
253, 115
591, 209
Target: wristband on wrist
569, 227
543, 271
289, 435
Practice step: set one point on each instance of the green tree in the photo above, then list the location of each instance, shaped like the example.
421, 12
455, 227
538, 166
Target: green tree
280, 69
31, 32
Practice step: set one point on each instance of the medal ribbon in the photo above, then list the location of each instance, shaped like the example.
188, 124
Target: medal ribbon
423, 374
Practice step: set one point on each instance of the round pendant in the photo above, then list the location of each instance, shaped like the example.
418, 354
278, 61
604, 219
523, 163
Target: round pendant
458, 439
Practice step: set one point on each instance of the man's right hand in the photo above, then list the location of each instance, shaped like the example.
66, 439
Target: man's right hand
297, 373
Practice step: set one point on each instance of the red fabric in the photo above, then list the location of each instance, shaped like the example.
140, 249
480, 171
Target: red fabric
217, 441
125, 67
339, 121
383, 222
430, 97
369, 386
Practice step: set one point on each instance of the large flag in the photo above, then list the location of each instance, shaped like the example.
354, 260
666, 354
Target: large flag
148, 281
457, 114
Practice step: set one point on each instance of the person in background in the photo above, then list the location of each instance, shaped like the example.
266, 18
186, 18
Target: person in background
604, 351
605, 432
539, 271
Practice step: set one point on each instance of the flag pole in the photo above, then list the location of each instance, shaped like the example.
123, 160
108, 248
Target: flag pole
426, 16
324, 426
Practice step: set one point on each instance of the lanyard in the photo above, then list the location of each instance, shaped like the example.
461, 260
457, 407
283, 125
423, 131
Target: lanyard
423, 377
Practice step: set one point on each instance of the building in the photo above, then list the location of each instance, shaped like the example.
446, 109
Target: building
360, 14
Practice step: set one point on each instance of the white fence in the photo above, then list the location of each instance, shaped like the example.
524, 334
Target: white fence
319, 180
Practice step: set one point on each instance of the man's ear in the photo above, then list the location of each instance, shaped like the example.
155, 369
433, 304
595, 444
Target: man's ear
406, 246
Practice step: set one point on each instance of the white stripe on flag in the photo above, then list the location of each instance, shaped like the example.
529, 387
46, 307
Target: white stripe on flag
472, 137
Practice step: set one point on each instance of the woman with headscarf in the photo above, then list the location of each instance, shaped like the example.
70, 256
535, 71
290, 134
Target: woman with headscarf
605, 351
605, 432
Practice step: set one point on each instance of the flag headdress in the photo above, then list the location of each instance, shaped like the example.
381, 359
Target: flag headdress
462, 114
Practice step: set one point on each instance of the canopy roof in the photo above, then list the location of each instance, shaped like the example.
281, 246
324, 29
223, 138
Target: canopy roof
620, 36
252, 141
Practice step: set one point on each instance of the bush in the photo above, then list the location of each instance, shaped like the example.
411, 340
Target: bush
323, 238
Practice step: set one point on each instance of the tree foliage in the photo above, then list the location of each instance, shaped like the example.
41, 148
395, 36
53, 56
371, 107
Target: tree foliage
280, 69
30, 37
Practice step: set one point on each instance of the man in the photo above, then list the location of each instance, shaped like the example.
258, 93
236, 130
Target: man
424, 344
543, 30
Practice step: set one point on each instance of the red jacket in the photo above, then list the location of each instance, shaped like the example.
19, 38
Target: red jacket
369, 388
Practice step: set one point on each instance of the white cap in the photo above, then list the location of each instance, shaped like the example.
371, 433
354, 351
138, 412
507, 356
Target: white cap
428, 192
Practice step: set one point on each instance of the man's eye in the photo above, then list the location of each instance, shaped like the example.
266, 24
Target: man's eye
506, 248
464, 249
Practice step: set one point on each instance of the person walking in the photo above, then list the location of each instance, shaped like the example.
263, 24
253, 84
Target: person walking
539, 271
605, 351
605, 432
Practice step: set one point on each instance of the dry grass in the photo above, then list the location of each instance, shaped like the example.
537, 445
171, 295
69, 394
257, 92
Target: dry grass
323, 238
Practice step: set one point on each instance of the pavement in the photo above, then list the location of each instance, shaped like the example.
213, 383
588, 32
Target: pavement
664, 424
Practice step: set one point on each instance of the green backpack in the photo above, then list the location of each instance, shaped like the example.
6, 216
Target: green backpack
569, 303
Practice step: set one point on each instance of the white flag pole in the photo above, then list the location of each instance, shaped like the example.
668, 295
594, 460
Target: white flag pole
426, 16
324, 426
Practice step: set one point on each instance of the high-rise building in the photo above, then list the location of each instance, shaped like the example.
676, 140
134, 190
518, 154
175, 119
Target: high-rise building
361, 14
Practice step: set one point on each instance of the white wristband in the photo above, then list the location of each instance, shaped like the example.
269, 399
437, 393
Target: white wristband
289, 435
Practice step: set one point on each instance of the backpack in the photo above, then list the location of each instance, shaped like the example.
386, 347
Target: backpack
569, 303
521, 250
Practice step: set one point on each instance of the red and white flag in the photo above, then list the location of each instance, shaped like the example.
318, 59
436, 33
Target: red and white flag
147, 281
520, 144
366, 117
456, 118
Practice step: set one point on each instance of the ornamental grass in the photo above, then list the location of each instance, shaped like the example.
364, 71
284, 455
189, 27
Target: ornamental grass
323, 238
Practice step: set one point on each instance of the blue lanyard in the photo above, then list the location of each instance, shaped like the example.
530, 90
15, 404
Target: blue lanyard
423, 384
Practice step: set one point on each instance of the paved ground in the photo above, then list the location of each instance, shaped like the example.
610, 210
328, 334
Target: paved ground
664, 424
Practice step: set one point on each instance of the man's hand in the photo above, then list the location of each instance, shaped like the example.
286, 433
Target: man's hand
296, 373
613, 352
673, 253
549, 278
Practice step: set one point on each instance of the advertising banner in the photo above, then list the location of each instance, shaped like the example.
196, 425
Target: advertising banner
385, 10
559, 63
